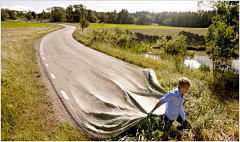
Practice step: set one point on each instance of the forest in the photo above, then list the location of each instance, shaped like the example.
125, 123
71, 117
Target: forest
73, 13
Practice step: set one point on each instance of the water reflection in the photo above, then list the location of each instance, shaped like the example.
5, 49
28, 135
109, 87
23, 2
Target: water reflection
200, 57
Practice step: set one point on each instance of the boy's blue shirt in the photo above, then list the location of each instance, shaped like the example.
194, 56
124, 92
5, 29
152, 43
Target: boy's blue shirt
174, 105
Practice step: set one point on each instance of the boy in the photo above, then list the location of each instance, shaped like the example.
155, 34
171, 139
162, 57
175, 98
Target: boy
174, 107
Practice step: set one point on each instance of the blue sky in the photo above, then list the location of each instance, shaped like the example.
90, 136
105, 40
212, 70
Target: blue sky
105, 6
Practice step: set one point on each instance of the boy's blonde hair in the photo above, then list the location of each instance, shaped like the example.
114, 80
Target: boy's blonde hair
183, 82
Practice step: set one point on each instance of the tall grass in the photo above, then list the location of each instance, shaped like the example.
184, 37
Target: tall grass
25, 109
213, 117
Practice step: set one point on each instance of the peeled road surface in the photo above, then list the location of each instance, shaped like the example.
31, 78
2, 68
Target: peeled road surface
104, 95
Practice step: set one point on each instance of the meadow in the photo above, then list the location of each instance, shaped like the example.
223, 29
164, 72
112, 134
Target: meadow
26, 110
212, 109
150, 29
17, 24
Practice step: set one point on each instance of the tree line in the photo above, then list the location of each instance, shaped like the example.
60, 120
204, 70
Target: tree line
24, 15
73, 13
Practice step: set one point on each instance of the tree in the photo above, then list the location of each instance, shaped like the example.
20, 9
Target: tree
76, 13
113, 17
91, 16
157, 18
123, 17
177, 47
8, 14
163, 16
144, 18
131, 20
34, 15
167, 22
222, 36
12, 14
207, 4
29, 15
20, 14
4, 14
69, 13
83, 20
103, 17
58, 14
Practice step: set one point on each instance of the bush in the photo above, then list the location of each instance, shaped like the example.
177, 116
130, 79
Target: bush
101, 35
122, 39
204, 68
175, 46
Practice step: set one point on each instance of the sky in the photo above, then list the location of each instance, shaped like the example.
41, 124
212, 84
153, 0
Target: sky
104, 6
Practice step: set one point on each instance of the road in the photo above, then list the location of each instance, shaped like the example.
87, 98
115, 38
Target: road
104, 95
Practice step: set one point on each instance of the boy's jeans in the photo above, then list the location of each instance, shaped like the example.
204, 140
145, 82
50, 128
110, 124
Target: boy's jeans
184, 124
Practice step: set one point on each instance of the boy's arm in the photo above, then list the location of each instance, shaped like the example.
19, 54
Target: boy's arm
156, 106
168, 97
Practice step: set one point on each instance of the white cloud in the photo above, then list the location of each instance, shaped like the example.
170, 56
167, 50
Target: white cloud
22, 8
104, 8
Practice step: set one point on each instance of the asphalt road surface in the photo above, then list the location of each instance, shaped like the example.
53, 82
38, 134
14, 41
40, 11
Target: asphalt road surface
104, 95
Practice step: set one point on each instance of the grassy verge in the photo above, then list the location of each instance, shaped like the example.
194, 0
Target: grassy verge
214, 114
25, 108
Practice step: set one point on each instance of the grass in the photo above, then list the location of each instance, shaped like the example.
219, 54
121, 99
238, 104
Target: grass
152, 30
130, 26
25, 109
17, 24
214, 114
148, 30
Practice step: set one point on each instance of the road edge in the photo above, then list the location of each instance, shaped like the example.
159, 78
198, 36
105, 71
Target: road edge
60, 113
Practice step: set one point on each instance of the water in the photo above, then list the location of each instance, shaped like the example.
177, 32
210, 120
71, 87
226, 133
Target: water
200, 57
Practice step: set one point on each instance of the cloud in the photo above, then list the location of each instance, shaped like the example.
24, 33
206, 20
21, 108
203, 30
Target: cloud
22, 8
104, 8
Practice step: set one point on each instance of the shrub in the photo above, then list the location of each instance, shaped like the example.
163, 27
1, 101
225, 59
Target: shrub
101, 35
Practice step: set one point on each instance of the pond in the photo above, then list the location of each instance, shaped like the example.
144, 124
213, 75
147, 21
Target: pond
200, 57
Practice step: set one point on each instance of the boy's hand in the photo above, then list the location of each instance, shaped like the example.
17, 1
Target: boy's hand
185, 100
150, 113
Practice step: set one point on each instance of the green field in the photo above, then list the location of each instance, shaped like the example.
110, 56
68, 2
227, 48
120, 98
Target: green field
152, 30
17, 24
129, 26
98, 25
149, 29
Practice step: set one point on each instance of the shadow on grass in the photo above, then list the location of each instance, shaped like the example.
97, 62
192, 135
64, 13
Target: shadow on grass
225, 86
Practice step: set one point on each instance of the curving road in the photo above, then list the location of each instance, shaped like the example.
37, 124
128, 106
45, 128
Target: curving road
104, 95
